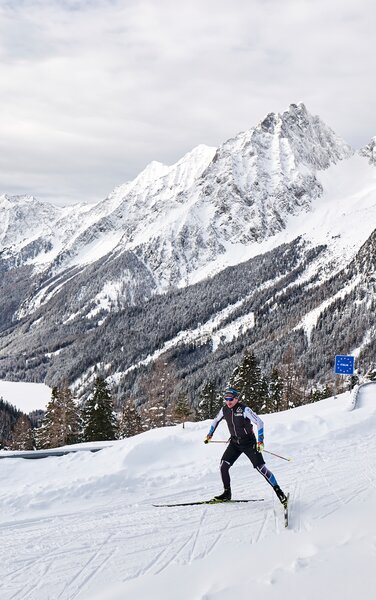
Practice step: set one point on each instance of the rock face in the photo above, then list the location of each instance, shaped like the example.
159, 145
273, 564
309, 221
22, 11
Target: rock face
177, 220
270, 194
369, 151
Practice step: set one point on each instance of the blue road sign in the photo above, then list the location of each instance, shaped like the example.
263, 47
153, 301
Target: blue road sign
344, 365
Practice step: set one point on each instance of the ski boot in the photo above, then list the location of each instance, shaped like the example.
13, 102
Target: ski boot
225, 497
281, 496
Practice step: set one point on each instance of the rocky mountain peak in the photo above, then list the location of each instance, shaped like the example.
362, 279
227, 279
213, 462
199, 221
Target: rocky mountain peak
24, 217
369, 151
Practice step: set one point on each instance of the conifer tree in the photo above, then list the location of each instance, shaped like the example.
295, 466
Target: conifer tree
22, 435
293, 393
159, 388
182, 409
130, 421
264, 394
61, 422
248, 380
70, 416
49, 434
99, 421
8, 418
210, 402
275, 391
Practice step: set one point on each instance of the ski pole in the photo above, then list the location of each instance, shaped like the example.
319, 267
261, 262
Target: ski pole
277, 455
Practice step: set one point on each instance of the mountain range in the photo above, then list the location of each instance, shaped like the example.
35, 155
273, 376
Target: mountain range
266, 242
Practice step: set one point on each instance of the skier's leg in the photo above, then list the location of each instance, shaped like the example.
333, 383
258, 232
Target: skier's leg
258, 462
230, 455
267, 474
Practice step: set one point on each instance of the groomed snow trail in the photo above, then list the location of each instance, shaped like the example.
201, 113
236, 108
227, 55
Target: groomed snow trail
83, 525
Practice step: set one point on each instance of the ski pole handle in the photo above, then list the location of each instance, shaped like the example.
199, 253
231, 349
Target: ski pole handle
277, 455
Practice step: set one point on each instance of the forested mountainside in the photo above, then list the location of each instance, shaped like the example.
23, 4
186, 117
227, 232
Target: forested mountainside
268, 304
265, 243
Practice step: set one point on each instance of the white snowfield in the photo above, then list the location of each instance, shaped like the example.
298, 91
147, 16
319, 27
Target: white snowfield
83, 526
24, 395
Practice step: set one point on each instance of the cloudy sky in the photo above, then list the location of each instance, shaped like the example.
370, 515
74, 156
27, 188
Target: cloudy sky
93, 90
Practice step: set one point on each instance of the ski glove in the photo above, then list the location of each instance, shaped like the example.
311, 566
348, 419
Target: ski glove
207, 439
260, 446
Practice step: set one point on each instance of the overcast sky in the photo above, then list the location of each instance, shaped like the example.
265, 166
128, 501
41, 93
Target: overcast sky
93, 90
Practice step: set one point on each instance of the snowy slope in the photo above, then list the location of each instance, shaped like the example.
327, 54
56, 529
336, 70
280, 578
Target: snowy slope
214, 207
83, 526
343, 218
25, 396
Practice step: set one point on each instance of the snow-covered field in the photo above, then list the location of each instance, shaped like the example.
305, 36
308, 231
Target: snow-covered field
25, 396
83, 525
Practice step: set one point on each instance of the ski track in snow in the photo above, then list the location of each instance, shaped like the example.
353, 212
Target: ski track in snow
67, 556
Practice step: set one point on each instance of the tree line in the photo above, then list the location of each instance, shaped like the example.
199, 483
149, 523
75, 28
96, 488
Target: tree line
160, 403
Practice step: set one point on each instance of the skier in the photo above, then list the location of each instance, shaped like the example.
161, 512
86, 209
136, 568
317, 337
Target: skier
239, 419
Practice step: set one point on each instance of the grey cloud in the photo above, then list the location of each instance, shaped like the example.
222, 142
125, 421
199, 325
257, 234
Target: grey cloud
93, 90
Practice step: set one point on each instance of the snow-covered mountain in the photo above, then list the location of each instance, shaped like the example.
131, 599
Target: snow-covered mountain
369, 151
178, 220
288, 190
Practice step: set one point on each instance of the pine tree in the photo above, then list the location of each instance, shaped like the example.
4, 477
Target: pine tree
130, 421
294, 393
182, 410
159, 388
49, 434
22, 435
99, 421
8, 418
248, 380
264, 395
61, 423
210, 402
275, 391
70, 416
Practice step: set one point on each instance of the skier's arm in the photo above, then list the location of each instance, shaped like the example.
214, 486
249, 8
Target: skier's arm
214, 425
249, 414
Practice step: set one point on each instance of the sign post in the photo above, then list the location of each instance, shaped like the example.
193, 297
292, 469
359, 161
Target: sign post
344, 365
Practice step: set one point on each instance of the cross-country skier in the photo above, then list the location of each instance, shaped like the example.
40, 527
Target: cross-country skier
239, 418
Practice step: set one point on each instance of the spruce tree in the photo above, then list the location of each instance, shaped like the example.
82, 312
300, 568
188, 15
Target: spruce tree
210, 402
248, 380
8, 418
22, 435
182, 409
293, 393
158, 387
61, 422
275, 391
99, 421
49, 434
70, 416
130, 421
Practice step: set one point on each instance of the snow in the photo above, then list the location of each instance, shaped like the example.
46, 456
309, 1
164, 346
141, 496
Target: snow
309, 321
83, 526
343, 218
25, 396
209, 331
